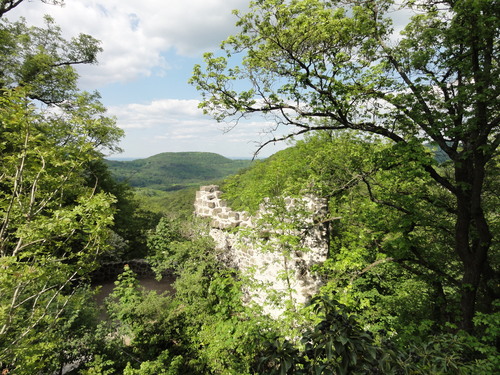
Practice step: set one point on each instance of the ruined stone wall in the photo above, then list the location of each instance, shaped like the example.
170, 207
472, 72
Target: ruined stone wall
258, 249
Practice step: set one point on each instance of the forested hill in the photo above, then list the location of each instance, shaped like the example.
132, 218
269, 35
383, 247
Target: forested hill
175, 170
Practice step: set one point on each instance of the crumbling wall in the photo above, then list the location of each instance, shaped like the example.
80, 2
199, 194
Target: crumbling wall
257, 248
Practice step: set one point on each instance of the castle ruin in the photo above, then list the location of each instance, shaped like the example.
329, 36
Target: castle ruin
275, 248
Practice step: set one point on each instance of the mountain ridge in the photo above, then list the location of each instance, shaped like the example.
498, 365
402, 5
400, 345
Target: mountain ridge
175, 170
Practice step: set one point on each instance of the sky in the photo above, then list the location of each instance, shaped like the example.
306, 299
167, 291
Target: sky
150, 49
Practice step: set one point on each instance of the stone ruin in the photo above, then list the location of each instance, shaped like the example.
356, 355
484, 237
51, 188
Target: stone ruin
256, 248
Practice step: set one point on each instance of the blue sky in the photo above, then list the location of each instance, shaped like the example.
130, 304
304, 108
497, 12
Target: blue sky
150, 48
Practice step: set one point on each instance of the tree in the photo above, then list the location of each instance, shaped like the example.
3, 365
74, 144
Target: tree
204, 328
335, 65
132, 221
53, 225
42, 61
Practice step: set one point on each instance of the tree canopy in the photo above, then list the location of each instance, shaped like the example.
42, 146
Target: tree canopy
336, 65
402, 139
54, 224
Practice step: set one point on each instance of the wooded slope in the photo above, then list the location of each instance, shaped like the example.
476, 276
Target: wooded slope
175, 170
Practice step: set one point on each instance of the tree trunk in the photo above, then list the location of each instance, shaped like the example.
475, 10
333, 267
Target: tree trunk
470, 285
472, 234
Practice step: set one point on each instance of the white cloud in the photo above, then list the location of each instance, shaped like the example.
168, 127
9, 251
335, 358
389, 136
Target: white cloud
158, 113
135, 34
179, 125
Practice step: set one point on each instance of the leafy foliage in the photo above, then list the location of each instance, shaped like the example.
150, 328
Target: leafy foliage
203, 329
41, 60
132, 219
437, 84
177, 203
413, 256
53, 225
390, 267
335, 345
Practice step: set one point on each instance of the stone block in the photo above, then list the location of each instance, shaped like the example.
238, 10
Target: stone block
225, 224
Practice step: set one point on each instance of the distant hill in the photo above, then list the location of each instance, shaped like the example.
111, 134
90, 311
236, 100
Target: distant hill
175, 170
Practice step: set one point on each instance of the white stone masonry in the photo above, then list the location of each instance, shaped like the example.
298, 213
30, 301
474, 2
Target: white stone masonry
281, 269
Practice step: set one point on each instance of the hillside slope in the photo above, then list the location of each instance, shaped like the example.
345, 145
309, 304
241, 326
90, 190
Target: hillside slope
175, 170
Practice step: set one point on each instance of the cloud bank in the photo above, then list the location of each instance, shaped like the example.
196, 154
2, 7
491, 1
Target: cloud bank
173, 125
135, 35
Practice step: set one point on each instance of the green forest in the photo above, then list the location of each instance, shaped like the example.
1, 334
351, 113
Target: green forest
400, 137
170, 171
